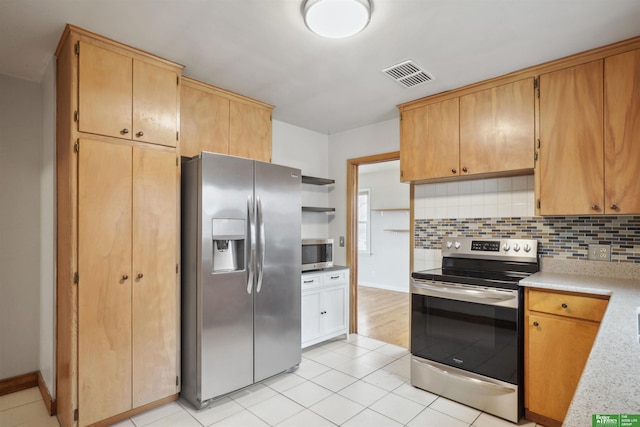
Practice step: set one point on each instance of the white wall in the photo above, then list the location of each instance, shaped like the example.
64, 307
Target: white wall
387, 264
47, 229
20, 172
308, 151
378, 138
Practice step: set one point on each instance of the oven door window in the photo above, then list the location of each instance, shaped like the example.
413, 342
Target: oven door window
475, 337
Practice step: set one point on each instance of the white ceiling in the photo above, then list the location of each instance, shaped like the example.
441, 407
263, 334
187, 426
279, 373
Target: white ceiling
262, 49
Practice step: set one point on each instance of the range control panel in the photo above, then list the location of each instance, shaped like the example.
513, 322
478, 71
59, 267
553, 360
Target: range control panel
471, 247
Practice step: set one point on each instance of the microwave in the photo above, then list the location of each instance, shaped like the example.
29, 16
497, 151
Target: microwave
317, 254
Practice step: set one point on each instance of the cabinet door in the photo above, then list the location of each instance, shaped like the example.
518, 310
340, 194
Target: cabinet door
204, 122
497, 129
104, 92
571, 146
430, 141
311, 317
104, 289
555, 356
155, 104
622, 132
334, 308
249, 131
154, 280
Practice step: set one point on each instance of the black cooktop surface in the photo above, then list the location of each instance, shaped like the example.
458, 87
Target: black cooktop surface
498, 274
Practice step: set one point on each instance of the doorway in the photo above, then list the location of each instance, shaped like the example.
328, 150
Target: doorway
379, 294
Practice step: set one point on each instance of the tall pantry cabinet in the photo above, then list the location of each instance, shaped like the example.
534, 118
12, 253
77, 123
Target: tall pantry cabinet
117, 226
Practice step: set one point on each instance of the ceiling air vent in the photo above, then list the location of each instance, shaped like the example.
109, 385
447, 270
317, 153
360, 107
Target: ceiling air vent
408, 74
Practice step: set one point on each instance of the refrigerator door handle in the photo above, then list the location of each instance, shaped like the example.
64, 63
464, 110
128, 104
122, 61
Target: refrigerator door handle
261, 243
252, 243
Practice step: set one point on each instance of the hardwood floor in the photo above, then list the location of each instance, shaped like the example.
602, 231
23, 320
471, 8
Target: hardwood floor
384, 315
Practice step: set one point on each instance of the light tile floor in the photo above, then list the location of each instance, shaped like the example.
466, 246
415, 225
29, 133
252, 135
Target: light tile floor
350, 382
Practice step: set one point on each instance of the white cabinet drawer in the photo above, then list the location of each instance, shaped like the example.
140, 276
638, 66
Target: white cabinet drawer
334, 277
310, 281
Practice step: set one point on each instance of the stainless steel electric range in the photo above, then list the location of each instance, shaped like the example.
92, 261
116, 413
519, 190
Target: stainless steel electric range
467, 324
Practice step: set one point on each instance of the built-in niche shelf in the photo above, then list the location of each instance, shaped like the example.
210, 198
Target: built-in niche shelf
314, 180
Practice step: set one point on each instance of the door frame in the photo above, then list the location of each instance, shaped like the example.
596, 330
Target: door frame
352, 226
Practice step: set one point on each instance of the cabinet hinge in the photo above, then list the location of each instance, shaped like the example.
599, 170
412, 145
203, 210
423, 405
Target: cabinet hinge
75, 415
538, 144
77, 48
177, 161
535, 83
177, 269
76, 147
177, 380
535, 156
178, 80
538, 203
536, 86
76, 116
75, 278
177, 136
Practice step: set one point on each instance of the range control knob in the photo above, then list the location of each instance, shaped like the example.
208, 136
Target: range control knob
457, 245
449, 244
527, 248
516, 247
506, 247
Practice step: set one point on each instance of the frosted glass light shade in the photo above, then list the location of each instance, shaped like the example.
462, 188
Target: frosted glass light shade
336, 18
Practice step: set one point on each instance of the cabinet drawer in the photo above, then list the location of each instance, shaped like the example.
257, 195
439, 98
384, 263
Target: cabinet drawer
311, 281
334, 277
578, 306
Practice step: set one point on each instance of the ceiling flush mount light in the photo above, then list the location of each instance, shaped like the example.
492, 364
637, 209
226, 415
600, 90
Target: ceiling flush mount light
336, 18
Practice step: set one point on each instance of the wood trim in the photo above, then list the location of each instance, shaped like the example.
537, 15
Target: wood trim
114, 45
533, 71
19, 382
541, 419
134, 412
52, 407
206, 87
352, 227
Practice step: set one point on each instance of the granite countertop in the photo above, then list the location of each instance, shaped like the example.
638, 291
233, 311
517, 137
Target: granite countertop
610, 383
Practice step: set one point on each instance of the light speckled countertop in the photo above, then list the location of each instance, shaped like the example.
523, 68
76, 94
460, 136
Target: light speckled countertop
610, 383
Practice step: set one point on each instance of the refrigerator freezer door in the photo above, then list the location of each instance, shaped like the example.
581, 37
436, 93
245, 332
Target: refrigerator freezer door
225, 305
277, 304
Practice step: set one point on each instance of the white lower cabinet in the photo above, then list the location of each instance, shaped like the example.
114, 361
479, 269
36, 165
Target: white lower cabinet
325, 305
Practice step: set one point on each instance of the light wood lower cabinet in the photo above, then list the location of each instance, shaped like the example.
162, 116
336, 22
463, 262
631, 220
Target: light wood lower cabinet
560, 329
325, 305
127, 287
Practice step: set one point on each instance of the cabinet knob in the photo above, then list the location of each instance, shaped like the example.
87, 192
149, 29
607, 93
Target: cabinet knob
140, 275
595, 207
536, 324
124, 131
564, 305
454, 170
464, 169
124, 277
614, 207
139, 134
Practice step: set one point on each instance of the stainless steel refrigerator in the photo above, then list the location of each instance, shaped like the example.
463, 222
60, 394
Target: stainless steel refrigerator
241, 271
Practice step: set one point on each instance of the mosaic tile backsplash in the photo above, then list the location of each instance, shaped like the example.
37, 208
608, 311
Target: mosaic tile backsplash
558, 237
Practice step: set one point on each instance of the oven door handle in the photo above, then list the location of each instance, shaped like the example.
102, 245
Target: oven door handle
482, 296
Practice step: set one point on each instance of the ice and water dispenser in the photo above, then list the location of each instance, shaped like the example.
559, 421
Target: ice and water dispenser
228, 237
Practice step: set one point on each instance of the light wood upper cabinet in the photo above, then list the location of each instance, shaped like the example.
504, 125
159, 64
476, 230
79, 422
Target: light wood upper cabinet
430, 141
126, 97
497, 129
622, 133
571, 147
204, 120
212, 119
